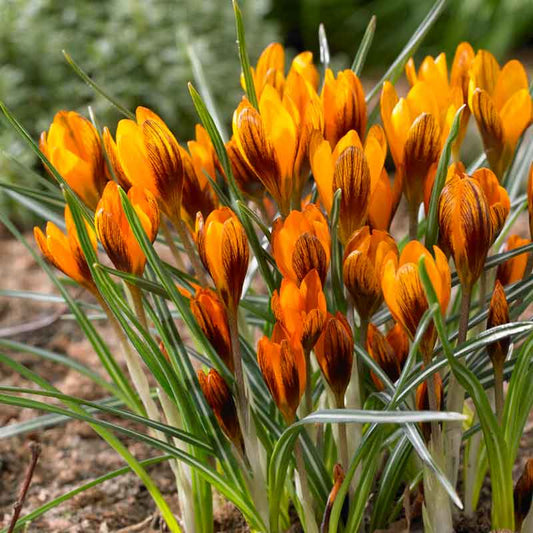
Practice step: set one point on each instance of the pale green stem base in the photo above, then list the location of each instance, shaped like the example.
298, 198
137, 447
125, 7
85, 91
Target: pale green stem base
310, 525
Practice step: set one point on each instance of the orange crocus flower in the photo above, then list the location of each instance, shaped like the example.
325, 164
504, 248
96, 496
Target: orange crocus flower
197, 193
301, 243
513, 269
273, 140
301, 308
530, 199
334, 353
501, 104
365, 257
223, 249
212, 318
282, 362
270, 69
64, 250
114, 231
219, 397
343, 106
498, 316
404, 293
416, 129
73, 147
354, 169
389, 351
146, 154
472, 211
449, 92
523, 494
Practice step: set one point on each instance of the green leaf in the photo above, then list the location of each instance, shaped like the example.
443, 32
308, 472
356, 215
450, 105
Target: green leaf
432, 228
501, 474
364, 47
243, 55
91, 83
336, 254
323, 46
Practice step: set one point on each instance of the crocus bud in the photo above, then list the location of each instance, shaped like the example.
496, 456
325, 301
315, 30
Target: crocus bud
268, 140
472, 211
219, 397
244, 174
523, 494
301, 309
404, 292
73, 147
301, 243
389, 351
514, 268
343, 105
338, 478
365, 257
498, 315
334, 353
64, 251
223, 248
147, 155
501, 104
422, 401
114, 231
355, 169
211, 316
282, 362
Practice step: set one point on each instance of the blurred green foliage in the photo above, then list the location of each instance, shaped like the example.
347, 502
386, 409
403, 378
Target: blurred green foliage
498, 25
135, 49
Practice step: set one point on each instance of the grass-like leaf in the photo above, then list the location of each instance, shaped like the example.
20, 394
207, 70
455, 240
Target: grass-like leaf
364, 47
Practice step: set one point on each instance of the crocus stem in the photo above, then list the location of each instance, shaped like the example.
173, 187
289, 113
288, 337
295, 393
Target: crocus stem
135, 370
190, 250
310, 525
172, 245
456, 397
308, 395
498, 388
413, 221
136, 298
246, 421
181, 471
343, 439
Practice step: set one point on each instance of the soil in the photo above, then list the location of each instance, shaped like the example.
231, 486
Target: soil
72, 454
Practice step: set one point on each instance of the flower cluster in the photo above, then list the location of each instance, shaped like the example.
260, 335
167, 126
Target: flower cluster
310, 165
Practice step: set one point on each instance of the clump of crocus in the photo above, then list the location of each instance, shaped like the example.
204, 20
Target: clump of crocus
114, 231
501, 104
64, 250
73, 147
